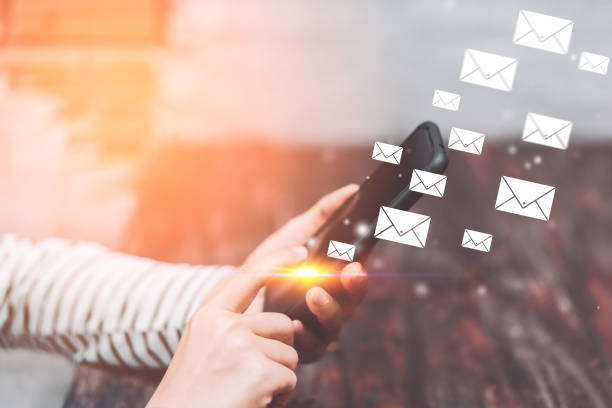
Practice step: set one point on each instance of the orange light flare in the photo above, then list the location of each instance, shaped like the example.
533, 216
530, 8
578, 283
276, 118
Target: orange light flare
308, 274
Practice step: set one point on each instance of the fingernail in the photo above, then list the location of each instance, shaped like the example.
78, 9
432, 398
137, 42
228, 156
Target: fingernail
301, 251
354, 269
297, 326
359, 277
321, 299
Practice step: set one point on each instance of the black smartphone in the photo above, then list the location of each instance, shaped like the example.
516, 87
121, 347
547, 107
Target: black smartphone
355, 221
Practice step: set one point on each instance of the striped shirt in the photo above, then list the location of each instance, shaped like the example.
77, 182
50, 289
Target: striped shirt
94, 305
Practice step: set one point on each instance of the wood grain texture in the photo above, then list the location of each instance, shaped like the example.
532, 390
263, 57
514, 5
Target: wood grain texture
527, 325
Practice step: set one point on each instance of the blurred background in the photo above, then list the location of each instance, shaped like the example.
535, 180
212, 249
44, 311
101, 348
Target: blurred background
188, 130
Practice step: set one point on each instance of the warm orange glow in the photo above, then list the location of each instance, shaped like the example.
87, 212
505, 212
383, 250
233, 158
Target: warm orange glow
309, 274
306, 271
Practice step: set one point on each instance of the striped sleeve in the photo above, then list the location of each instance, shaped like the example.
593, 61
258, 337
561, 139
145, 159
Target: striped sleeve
94, 305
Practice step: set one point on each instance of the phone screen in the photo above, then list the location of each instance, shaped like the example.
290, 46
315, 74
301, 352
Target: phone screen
355, 221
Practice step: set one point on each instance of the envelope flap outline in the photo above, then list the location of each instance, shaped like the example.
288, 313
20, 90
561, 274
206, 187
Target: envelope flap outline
593, 60
388, 150
548, 126
526, 192
488, 64
403, 221
545, 26
477, 237
341, 247
467, 137
428, 179
450, 98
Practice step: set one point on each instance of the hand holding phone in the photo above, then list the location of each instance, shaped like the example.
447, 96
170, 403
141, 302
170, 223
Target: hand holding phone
354, 222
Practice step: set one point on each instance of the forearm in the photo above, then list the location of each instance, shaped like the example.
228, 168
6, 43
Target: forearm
94, 305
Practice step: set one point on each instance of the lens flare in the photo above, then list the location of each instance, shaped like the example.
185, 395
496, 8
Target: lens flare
306, 271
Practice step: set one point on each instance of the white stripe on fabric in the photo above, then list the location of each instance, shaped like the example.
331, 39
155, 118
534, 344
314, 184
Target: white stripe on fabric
106, 311
138, 298
76, 321
162, 320
149, 305
64, 280
61, 320
94, 305
115, 308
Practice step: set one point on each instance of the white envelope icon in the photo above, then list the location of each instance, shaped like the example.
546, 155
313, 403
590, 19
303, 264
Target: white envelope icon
428, 183
543, 32
466, 140
594, 63
525, 198
479, 241
387, 153
490, 70
340, 250
404, 227
547, 131
446, 100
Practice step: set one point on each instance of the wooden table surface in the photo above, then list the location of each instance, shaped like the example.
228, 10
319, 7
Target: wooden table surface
527, 325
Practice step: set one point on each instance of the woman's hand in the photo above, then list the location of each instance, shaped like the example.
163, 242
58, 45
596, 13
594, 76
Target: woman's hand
353, 277
228, 359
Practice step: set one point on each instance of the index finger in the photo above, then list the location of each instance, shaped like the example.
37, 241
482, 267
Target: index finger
237, 293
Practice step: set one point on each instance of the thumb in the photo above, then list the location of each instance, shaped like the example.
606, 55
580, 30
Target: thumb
237, 293
300, 228
311, 220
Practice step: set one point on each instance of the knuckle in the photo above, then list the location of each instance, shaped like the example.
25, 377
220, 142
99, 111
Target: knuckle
246, 340
220, 322
255, 368
294, 358
223, 321
284, 322
322, 213
241, 341
214, 321
291, 380
284, 326
200, 319
294, 221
